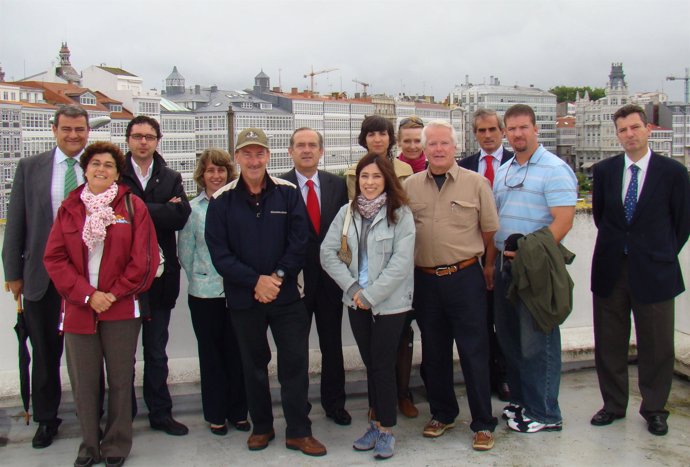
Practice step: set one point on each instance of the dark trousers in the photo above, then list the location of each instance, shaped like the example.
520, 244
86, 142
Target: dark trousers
453, 308
290, 328
116, 343
327, 310
377, 338
654, 326
42, 319
220, 364
497, 362
154, 339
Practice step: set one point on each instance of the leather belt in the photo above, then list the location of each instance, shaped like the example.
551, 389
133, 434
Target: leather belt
441, 271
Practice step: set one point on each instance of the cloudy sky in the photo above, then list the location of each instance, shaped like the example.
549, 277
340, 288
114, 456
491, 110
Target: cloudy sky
423, 46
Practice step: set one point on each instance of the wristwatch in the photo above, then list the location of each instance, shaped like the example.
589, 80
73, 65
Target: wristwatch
280, 274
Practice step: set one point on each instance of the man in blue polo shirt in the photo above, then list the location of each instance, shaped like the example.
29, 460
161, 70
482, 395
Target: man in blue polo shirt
535, 189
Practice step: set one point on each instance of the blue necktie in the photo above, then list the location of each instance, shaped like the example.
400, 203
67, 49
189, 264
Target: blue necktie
631, 195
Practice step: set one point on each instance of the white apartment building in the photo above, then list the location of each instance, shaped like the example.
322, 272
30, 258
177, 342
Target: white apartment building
660, 140
596, 132
499, 98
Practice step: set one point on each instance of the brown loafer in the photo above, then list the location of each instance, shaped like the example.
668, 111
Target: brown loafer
257, 442
308, 445
407, 408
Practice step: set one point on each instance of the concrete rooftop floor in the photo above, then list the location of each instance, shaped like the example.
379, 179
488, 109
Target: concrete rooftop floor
625, 443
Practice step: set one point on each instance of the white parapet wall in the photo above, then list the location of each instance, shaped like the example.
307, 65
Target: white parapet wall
577, 334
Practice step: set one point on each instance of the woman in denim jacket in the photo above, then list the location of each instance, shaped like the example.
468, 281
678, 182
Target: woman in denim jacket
222, 381
377, 285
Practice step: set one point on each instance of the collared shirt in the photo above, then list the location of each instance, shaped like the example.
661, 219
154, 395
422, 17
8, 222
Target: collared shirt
57, 184
450, 221
302, 182
526, 193
643, 165
496, 162
143, 179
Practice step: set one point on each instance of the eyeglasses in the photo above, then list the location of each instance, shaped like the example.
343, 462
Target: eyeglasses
522, 182
149, 138
412, 121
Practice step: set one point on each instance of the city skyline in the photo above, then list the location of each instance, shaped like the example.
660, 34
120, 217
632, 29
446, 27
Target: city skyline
395, 46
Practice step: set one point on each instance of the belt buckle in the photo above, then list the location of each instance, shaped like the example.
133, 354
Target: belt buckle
442, 271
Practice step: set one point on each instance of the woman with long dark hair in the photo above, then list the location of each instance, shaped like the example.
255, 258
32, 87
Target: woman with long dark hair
377, 284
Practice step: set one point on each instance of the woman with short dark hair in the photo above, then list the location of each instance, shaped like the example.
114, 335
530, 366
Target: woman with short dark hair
102, 252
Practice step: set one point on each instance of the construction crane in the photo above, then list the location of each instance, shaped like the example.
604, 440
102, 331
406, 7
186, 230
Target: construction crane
314, 73
364, 85
685, 78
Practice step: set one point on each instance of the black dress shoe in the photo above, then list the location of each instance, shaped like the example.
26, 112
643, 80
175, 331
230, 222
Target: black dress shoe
242, 425
85, 461
656, 424
340, 417
45, 434
170, 426
219, 430
603, 418
503, 392
114, 461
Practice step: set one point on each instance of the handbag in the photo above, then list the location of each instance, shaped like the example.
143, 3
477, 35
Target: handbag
344, 254
130, 211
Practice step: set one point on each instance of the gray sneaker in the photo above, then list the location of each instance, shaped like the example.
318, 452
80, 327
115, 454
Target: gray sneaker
385, 445
368, 441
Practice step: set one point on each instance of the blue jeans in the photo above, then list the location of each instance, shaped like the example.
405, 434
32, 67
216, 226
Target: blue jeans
533, 359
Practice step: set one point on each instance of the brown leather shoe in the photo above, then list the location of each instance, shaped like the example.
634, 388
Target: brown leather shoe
407, 407
259, 442
308, 445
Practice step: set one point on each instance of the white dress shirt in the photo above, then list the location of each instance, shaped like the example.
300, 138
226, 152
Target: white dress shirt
643, 165
497, 155
57, 184
302, 182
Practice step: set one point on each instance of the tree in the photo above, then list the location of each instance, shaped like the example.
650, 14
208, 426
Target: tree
569, 93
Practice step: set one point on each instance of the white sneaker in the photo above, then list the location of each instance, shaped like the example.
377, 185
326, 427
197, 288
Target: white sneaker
512, 411
526, 425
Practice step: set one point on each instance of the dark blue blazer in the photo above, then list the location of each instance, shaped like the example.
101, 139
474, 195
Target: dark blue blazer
472, 162
333, 197
658, 230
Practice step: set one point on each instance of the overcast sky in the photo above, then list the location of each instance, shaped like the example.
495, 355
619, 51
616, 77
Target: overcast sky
423, 46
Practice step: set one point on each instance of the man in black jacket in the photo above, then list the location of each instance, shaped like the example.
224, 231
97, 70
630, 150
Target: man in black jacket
323, 194
161, 188
256, 231
488, 131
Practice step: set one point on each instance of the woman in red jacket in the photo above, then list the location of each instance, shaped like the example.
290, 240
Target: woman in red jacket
101, 253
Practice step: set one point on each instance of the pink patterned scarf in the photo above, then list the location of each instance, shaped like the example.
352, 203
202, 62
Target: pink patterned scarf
99, 214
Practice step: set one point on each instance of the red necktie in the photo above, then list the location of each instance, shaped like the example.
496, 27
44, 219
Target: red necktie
489, 171
313, 206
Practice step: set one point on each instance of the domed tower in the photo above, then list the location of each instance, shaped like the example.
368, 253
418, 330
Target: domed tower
66, 71
262, 83
174, 83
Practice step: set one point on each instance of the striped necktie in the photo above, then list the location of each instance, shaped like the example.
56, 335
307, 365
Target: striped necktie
70, 176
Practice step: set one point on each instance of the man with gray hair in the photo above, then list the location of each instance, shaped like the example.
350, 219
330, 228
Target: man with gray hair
456, 219
41, 182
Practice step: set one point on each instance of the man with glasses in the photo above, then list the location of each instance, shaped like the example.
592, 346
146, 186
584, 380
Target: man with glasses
41, 182
534, 190
455, 216
161, 188
488, 131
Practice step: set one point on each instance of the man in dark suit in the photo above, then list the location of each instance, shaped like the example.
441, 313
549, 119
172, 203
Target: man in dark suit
323, 194
41, 182
641, 207
148, 176
488, 131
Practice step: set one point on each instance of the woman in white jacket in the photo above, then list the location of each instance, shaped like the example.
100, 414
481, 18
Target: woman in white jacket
377, 285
